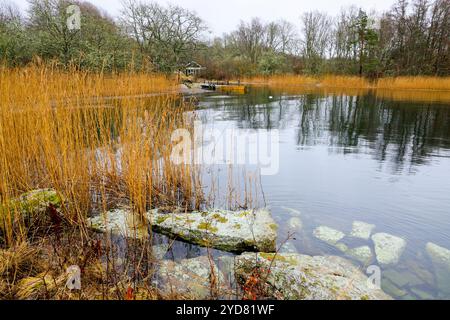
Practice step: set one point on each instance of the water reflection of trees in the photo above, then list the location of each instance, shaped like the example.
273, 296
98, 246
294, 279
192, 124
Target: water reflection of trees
405, 133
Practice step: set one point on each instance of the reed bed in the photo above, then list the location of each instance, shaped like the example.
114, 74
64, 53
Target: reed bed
282, 80
331, 81
354, 82
95, 154
414, 83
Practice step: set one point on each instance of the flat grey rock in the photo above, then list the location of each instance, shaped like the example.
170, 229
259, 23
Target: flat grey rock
233, 231
292, 212
119, 222
390, 288
440, 258
301, 277
402, 279
388, 248
328, 235
195, 279
342, 247
362, 230
295, 224
362, 254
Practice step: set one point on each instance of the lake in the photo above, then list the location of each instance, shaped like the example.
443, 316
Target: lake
346, 158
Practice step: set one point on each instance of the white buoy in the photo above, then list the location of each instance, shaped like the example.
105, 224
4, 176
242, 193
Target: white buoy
270, 97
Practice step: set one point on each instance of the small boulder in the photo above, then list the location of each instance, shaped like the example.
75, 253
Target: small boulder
233, 231
390, 288
388, 248
301, 277
37, 208
402, 279
342, 247
120, 223
292, 212
423, 295
195, 279
328, 235
362, 254
440, 258
362, 230
295, 224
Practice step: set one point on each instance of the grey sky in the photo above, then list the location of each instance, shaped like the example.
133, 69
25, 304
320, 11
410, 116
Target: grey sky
223, 16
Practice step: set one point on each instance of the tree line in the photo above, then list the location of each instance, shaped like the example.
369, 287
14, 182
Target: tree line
412, 38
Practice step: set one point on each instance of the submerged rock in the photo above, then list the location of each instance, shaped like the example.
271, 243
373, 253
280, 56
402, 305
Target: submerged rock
328, 235
402, 279
295, 224
423, 295
441, 263
388, 248
362, 230
392, 289
293, 212
224, 230
119, 222
159, 251
288, 247
342, 247
196, 279
420, 272
301, 277
362, 254
38, 207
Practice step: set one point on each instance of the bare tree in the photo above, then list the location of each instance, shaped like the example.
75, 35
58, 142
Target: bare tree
281, 37
9, 13
169, 35
316, 38
249, 39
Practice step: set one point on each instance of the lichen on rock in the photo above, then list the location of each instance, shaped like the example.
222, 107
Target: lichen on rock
196, 279
362, 254
388, 248
440, 258
362, 230
328, 235
119, 222
301, 277
224, 230
33, 208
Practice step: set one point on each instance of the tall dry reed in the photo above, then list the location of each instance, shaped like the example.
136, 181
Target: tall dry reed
354, 82
57, 131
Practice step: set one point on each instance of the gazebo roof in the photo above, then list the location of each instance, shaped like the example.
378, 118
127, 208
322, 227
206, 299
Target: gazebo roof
194, 65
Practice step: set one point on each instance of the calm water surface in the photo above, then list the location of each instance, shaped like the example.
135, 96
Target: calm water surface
354, 158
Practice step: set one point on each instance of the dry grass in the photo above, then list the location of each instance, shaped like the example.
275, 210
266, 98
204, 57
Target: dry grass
353, 82
331, 81
423, 89
57, 131
414, 83
282, 80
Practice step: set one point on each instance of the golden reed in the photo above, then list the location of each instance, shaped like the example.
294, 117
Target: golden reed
58, 131
423, 89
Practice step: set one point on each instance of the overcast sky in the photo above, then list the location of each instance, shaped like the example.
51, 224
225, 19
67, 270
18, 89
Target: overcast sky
223, 16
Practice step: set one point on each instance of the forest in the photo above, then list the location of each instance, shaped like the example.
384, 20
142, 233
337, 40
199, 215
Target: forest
410, 39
